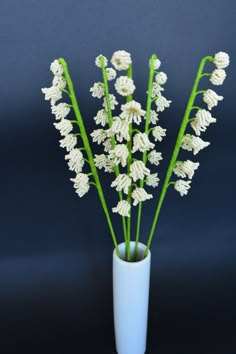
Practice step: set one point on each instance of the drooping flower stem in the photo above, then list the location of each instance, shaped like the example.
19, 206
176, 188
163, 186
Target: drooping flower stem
88, 149
147, 123
185, 121
109, 113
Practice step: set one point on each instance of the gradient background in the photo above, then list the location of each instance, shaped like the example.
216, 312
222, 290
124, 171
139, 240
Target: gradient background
55, 249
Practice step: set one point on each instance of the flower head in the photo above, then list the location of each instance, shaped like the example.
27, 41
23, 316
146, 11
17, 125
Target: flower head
102, 161
98, 62
156, 64
182, 186
59, 82
140, 195
124, 86
211, 98
122, 208
120, 128
193, 143
132, 111
75, 160
218, 76
155, 157
201, 121
185, 168
64, 126
101, 117
122, 183
221, 60
56, 68
161, 78
107, 145
153, 116
111, 74
138, 170
81, 184
121, 60
61, 110
141, 143
158, 133
52, 93
156, 90
68, 142
112, 100
99, 136
119, 155
162, 103
97, 90
152, 180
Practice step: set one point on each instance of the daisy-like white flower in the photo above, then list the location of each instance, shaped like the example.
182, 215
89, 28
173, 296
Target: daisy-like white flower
101, 117
182, 187
97, 90
99, 136
124, 86
59, 82
161, 78
152, 180
138, 170
122, 183
153, 117
61, 110
132, 111
68, 142
201, 121
122, 208
107, 145
75, 160
185, 168
193, 143
211, 98
102, 161
155, 157
52, 94
158, 133
140, 195
98, 63
162, 103
111, 74
119, 155
56, 68
120, 128
156, 64
113, 102
81, 184
64, 126
156, 90
218, 76
121, 60
142, 143
221, 60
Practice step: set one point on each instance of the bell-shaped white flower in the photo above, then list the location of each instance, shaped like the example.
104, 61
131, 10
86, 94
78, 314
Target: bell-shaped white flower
59, 81
155, 157
64, 126
211, 98
119, 128
99, 136
221, 60
68, 142
182, 187
156, 90
102, 161
139, 195
98, 62
201, 121
119, 155
121, 60
218, 76
124, 86
75, 160
122, 208
193, 143
107, 145
81, 184
101, 118
153, 117
111, 74
97, 89
138, 170
52, 94
56, 68
158, 133
61, 110
185, 168
132, 112
156, 64
122, 183
162, 103
161, 78
141, 143
112, 100
152, 180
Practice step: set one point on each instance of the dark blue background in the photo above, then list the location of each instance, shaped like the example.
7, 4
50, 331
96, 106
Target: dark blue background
55, 249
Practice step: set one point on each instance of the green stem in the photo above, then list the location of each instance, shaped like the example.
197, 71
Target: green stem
88, 150
147, 123
177, 148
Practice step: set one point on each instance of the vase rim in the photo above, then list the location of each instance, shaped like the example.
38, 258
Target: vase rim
133, 264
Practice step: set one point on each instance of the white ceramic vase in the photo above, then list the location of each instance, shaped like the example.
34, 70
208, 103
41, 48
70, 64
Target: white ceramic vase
130, 300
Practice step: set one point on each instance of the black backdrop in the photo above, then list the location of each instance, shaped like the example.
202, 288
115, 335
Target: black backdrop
55, 249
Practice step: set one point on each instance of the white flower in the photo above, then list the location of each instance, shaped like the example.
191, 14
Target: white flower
101, 117
56, 68
142, 143
97, 90
52, 93
107, 145
121, 60
153, 117
64, 126
61, 110
132, 111
111, 74
124, 86
155, 157
162, 103
221, 60
138, 170
152, 180
156, 90
102, 161
140, 195
81, 184
122, 183
193, 143
122, 208
156, 64
201, 121
120, 128
99, 136
218, 76
68, 142
161, 78
76, 160
185, 168
182, 186
59, 81
211, 98
119, 154
113, 102
158, 133
98, 63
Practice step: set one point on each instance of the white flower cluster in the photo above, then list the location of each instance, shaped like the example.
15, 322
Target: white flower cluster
61, 110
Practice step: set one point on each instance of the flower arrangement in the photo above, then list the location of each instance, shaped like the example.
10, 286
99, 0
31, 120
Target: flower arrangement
130, 137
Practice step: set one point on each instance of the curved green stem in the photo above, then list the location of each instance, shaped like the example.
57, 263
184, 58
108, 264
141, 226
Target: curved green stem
177, 148
88, 150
